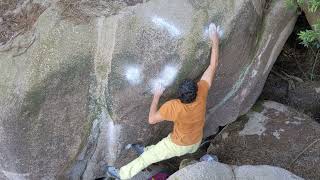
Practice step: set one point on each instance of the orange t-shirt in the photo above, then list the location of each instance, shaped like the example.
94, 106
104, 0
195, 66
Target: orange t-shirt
189, 118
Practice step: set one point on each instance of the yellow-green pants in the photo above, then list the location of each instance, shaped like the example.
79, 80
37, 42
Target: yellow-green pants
164, 149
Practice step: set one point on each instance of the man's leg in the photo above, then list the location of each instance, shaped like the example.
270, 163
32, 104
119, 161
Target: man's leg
164, 149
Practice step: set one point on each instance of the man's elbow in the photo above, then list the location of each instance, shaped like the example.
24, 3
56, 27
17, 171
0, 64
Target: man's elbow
151, 120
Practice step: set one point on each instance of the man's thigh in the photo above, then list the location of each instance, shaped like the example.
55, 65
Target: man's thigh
166, 149
158, 152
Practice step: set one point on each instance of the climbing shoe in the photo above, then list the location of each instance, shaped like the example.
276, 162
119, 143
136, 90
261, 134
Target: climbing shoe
209, 158
112, 172
138, 148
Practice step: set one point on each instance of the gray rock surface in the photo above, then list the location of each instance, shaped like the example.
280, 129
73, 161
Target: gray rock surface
272, 134
71, 101
306, 97
187, 162
219, 171
44, 101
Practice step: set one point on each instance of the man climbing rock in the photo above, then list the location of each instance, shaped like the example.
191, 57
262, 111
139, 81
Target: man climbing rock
187, 112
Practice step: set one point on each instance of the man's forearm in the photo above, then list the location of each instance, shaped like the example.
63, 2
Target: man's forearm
214, 53
154, 105
210, 71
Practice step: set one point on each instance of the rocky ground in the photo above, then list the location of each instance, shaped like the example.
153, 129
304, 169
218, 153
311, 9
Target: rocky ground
273, 134
220, 171
270, 134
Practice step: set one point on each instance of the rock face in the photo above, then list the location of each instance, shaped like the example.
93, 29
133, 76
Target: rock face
216, 171
45, 99
272, 134
306, 97
74, 94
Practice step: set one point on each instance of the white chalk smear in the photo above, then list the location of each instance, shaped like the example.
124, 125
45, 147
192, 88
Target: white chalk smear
225, 135
112, 133
211, 29
298, 118
166, 77
254, 73
255, 125
173, 30
15, 176
276, 106
277, 133
133, 75
293, 122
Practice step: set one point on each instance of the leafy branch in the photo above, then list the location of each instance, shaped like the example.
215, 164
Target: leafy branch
308, 37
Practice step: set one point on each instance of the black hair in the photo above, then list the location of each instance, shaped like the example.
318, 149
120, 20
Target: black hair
187, 91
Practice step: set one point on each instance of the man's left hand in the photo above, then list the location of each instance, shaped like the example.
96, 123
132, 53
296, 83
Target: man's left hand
159, 90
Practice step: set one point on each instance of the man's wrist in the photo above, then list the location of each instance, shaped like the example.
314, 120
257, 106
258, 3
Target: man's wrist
215, 42
156, 96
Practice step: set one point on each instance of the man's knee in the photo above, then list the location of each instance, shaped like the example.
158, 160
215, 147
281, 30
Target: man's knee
150, 157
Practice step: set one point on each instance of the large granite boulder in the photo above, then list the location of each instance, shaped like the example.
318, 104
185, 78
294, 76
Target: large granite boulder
45, 102
218, 171
272, 134
74, 93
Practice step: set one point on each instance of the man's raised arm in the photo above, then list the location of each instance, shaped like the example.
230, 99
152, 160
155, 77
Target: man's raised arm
209, 73
154, 114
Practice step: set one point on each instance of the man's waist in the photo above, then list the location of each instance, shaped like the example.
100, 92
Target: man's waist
186, 140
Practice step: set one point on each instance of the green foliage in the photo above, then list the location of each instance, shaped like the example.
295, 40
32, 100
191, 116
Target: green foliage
290, 4
308, 37
313, 5
294, 3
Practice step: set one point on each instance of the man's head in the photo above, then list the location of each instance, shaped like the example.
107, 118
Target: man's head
187, 91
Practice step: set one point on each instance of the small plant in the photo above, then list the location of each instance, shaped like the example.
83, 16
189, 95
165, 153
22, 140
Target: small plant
313, 5
308, 37
293, 3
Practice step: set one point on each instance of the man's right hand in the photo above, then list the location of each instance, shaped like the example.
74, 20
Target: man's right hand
158, 91
215, 32
154, 115
214, 38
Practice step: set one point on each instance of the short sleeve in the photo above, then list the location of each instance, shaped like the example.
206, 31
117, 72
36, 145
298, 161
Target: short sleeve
167, 111
203, 88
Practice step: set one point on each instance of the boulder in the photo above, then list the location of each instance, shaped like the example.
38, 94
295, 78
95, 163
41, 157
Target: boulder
302, 96
217, 171
306, 97
74, 93
187, 162
272, 134
45, 99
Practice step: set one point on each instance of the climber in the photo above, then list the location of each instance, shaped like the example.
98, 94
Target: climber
187, 112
